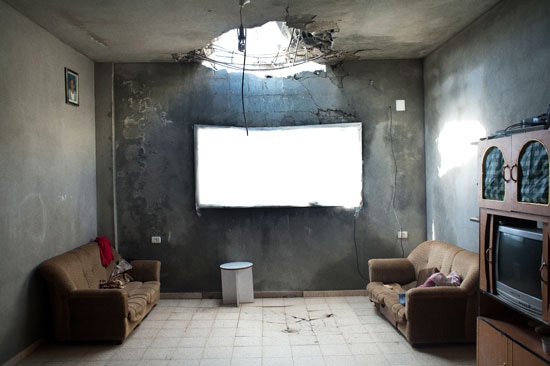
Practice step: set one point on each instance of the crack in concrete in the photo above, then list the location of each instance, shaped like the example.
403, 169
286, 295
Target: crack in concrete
287, 11
310, 319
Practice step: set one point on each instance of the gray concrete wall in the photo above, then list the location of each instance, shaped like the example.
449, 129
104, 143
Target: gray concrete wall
492, 75
156, 106
104, 132
47, 170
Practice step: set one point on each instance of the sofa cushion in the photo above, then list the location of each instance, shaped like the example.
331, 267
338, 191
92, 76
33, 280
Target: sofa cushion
137, 307
384, 294
399, 312
434, 253
140, 295
149, 290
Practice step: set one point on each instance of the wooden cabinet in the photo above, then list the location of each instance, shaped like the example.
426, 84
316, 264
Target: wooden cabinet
492, 348
513, 191
496, 348
521, 356
514, 174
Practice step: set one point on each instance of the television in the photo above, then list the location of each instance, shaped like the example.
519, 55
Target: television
517, 269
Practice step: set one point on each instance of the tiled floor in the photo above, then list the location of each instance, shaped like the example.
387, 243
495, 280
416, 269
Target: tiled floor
292, 331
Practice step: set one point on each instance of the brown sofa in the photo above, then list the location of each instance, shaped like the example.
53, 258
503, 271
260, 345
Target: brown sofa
83, 311
440, 314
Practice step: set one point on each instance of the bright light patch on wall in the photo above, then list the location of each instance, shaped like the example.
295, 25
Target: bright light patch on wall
267, 53
455, 144
299, 166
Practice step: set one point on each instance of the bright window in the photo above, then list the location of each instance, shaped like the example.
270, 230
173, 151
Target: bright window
302, 166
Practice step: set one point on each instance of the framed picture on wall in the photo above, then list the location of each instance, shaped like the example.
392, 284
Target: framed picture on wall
71, 87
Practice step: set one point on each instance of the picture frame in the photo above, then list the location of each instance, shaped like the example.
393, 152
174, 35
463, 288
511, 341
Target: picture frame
71, 87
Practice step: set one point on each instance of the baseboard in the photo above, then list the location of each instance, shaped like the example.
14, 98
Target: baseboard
335, 293
263, 294
181, 295
15, 360
277, 294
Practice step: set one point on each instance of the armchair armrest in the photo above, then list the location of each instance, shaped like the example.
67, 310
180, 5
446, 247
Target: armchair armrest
391, 270
145, 270
103, 303
97, 314
443, 306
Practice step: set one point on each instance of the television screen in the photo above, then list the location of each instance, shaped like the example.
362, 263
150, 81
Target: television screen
519, 256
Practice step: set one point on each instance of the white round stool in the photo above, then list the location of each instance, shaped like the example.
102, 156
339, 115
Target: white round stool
237, 284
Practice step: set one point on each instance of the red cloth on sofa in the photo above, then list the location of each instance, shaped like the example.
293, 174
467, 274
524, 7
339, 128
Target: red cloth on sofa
105, 250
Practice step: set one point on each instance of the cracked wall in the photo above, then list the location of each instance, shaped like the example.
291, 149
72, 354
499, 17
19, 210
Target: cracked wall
293, 249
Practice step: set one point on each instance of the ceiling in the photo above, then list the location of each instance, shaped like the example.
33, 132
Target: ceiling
153, 30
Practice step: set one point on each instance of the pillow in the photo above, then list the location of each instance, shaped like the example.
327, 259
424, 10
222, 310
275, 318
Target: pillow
123, 266
424, 274
454, 279
439, 279
118, 277
116, 280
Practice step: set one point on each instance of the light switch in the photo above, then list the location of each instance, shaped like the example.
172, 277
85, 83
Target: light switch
400, 105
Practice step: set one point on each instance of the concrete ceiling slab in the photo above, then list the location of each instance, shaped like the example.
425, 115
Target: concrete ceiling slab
151, 31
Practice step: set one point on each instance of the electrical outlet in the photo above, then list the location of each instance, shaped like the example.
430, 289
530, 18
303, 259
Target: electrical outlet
402, 234
156, 240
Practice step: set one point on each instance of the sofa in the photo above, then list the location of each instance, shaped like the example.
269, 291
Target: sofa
81, 310
428, 313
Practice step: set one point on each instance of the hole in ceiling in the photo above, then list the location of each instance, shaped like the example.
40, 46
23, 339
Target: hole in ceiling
273, 49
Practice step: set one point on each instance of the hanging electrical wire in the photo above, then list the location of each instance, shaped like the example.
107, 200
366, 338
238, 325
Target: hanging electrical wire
242, 48
394, 192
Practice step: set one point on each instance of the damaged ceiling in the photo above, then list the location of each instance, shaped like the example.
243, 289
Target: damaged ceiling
152, 31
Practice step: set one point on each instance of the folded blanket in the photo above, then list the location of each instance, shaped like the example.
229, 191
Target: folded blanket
105, 250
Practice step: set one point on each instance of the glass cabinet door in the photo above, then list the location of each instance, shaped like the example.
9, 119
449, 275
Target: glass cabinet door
493, 178
495, 173
532, 180
530, 173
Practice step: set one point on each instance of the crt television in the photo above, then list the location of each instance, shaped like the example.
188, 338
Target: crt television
517, 268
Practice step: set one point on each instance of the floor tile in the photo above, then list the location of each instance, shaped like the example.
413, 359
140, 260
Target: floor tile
277, 361
215, 362
306, 351
276, 351
188, 353
247, 352
309, 361
247, 341
246, 361
340, 361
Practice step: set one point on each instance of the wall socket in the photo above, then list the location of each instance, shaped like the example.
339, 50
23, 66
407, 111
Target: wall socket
402, 235
156, 240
